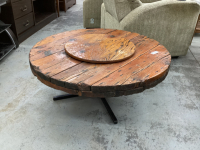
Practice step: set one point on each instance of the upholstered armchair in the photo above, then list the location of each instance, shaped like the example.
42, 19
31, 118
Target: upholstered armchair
92, 12
172, 23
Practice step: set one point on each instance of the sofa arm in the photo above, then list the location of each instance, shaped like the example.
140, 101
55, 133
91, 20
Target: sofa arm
172, 23
103, 12
92, 13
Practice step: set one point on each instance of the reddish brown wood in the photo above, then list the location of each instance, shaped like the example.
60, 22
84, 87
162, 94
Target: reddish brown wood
87, 78
139, 65
98, 48
146, 68
197, 30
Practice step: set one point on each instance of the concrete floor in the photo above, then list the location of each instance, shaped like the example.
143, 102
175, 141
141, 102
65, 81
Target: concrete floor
166, 117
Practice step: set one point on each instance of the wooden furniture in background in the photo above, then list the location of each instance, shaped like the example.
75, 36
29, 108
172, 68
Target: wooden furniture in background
198, 26
66, 4
28, 16
8, 41
58, 7
63, 5
145, 69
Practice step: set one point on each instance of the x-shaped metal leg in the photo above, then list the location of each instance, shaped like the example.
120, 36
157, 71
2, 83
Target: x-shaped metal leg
108, 108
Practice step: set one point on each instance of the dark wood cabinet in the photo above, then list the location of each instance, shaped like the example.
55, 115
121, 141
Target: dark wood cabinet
22, 8
24, 23
70, 3
66, 4
8, 41
28, 16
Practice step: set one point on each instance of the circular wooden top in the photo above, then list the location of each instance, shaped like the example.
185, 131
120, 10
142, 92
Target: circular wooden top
99, 48
146, 68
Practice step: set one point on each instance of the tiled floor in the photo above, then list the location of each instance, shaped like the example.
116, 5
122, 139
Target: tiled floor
166, 117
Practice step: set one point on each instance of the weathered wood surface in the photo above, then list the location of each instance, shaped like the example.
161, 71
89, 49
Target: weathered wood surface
145, 69
99, 48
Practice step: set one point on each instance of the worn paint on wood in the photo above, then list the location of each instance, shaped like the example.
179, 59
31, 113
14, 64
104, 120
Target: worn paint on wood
99, 48
145, 69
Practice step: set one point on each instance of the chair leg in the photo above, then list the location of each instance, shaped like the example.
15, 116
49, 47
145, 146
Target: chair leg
175, 57
58, 7
65, 7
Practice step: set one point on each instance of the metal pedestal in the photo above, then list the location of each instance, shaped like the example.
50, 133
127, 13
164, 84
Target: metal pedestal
107, 106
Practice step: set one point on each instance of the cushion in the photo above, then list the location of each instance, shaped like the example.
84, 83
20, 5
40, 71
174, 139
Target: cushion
120, 8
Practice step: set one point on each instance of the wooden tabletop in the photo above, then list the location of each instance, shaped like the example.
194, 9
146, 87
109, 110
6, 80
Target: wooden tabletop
145, 69
99, 48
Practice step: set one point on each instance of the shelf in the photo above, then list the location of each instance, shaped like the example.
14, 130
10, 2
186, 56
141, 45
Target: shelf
44, 11
3, 27
2, 2
5, 49
40, 16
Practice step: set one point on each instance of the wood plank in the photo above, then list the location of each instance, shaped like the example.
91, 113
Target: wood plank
146, 68
136, 38
56, 43
56, 69
89, 93
59, 36
84, 80
149, 75
49, 84
51, 60
50, 41
115, 80
117, 34
52, 48
110, 93
71, 73
48, 62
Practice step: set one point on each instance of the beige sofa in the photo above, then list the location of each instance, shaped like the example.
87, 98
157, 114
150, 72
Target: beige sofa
92, 12
171, 23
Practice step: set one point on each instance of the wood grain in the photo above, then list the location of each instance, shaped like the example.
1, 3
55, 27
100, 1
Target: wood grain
145, 69
21, 8
88, 77
112, 82
24, 23
98, 48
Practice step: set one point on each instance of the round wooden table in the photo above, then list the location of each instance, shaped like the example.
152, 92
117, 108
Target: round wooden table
147, 67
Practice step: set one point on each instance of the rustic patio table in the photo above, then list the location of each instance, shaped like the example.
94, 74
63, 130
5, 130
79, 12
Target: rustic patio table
127, 63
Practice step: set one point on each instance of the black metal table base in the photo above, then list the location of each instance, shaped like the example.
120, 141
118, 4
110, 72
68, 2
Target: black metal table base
108, 108
60, 97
